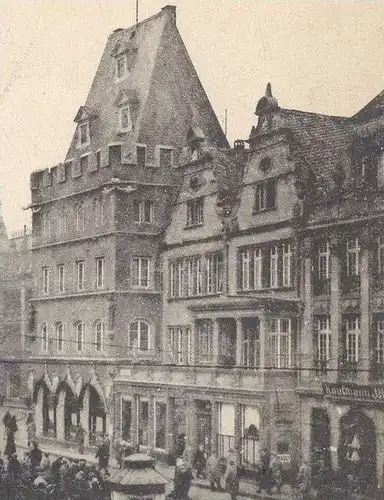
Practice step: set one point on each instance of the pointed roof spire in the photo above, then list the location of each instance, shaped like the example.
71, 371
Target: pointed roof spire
268, 103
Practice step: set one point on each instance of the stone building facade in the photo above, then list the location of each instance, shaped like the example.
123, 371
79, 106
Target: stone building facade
97, 222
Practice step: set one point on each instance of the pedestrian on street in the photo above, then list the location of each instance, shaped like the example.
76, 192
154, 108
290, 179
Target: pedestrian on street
31, 430
266, 477
213, 471
277, 471
36, 457
200, 461
182, 480
103, 454
232, 479
80, 438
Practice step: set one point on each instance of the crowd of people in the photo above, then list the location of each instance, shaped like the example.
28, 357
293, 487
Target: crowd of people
37, 477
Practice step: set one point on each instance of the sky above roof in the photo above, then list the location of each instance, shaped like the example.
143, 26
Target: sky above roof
320, 56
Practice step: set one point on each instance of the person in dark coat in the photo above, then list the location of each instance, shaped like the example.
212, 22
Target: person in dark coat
200, 461
266, 476
10, 429
103, 454
36, 456
232, 479
183, 478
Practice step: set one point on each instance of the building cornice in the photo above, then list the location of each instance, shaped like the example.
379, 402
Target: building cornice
99, 293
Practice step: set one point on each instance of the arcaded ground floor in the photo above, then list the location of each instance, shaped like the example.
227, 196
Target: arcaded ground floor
347, 435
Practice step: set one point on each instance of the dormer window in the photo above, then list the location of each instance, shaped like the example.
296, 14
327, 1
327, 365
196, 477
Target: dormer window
121, 66
84, 134
125, 119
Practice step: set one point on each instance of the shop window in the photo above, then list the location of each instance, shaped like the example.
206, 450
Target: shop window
126, 420
160, 427
226, 436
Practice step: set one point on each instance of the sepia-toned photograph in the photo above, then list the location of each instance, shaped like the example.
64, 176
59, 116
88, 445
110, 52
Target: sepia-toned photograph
191, 250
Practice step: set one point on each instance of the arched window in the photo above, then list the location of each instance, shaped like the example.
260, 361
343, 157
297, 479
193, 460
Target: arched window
99, 335
80, 336
59, 334
139, 335
44, 337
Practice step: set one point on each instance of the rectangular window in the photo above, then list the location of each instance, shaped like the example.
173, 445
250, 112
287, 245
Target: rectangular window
323, 339
61, 278
353, 257
141, 272
214, 273
195, 212
62, 223
245, 269
280, 345
98, 160
251, 343
98, 212
80, 218
257, 269
143, 211
323, 261
172, 279
84, 164
265, 196
180, 344
100, 272
287, 265
80, 273
140, 156
84, 133
273, 271
380, 342
126, 420
59, 333
121, 66
352, 326
46, 223
160, 428
45, 280
143, 423
165, 158
125, 119
204, 340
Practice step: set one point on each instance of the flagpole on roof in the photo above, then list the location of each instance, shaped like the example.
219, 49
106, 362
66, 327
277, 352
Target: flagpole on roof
137, 12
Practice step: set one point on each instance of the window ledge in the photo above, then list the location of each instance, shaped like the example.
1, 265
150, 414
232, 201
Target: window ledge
265, 290
257, 212
195, 297
194, 226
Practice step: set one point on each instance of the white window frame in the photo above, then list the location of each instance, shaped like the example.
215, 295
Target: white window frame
99, 329
59, 335
44, 337
202, 335
352, 339
61, 278
84, 126
122, 108
287, 264
140, 269
380, 341
100, 272
245, 269
353, 254
142, 206
121, 57
139, 323
323, 339
323, 261
80, 272
62, 223
45, 274
274, 267
248, 360
80, 334
195, 212
277, 334
257, 268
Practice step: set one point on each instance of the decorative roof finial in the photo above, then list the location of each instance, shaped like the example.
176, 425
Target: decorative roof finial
268, 103
268, 91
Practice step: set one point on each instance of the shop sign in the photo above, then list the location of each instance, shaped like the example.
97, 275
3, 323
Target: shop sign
354, 391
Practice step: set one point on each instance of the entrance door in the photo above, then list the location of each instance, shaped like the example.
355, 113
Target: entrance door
357, 449
204, 423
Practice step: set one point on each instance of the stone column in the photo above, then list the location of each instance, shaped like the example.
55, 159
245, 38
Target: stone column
84, 416
263, 338
215, 341
60, 412
39, 412
214, 425
170, 437
238, 433
239, 342
192, 424
134, 423
305, 346
334, 419
151, 422
336, 249
365, 278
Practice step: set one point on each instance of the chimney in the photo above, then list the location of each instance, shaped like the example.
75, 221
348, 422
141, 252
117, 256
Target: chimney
170, 10
25, 229
239, 144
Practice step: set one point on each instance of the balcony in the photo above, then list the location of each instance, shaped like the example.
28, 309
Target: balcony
350, 285
322, 286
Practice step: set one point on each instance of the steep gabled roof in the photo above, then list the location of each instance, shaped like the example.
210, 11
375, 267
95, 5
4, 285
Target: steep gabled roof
374, 109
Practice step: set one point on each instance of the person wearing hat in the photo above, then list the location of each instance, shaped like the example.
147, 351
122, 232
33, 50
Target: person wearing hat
182, 480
